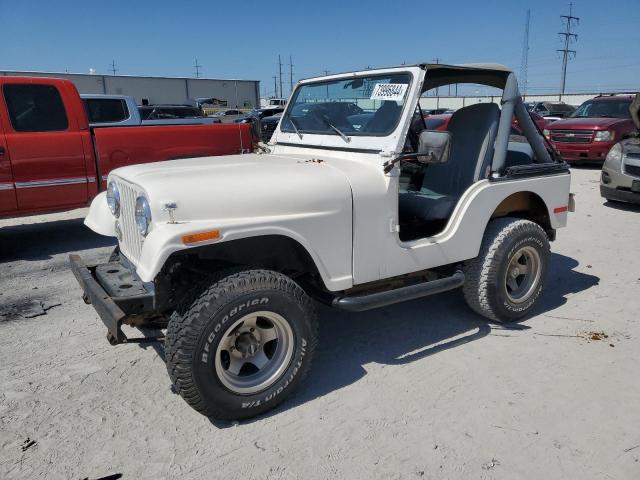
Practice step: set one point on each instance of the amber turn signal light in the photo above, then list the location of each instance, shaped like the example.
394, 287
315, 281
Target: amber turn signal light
201, 237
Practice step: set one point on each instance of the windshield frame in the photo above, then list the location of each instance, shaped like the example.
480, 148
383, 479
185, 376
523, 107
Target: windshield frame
379, 74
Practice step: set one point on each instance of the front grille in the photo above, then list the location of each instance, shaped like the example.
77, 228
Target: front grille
131, 243
632, 170
571, 136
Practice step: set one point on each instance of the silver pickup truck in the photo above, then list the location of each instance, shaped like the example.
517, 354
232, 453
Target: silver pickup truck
122, 111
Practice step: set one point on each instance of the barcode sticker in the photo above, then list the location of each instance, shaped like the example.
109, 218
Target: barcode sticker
389, 91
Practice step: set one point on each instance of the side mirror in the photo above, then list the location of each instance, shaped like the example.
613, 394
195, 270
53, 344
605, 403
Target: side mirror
434, 147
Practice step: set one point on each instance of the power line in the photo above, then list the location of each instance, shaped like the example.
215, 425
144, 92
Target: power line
524, 63
113, 68
568, 36
197, 68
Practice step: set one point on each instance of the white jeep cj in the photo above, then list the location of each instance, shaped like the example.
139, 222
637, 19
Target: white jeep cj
353, 202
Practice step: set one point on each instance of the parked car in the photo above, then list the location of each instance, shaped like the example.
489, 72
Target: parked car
551, 109
228, 254
122, 111
436, 111
539, 120
437, 121
228, 116
441, 122
620, 178
590, 132
268, 125
52, 160
259, 113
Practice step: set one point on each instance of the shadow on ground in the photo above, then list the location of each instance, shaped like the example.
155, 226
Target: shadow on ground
40, 241
625, 207
585, 165
411, 331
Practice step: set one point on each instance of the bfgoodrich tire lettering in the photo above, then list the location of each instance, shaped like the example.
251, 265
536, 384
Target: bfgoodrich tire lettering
196, 331
505, 280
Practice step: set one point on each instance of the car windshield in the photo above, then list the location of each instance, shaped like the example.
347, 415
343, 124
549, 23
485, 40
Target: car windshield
366, 106
604, 109
558, 107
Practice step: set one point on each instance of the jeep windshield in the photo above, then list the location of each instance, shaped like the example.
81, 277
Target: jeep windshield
362, 106
603, 109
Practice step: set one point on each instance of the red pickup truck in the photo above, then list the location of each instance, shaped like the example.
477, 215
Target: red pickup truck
51, 160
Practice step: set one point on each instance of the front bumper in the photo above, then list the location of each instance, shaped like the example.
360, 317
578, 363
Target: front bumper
116, 293
620, 195
583, 152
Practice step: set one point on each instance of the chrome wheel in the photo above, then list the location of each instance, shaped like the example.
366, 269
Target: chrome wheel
254, 352
523, 274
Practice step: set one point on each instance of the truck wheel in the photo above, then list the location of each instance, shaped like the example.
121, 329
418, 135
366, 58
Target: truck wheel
504, 281
243, 345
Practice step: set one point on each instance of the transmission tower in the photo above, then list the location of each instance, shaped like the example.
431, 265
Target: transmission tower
197, 68
113, 68
525, 55
568, 37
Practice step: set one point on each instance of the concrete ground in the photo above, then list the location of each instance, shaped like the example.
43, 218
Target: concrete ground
424, 389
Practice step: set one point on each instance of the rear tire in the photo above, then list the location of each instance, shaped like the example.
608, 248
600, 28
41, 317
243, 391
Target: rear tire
504, 281
243, 345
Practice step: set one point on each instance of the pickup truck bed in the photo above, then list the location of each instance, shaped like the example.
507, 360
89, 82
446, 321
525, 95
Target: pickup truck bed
52, 160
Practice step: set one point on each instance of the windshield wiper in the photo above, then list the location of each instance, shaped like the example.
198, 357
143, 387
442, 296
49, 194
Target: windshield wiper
336, 129
295, 128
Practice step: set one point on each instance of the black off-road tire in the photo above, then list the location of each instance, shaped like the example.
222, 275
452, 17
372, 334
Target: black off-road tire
485, 290
198, 326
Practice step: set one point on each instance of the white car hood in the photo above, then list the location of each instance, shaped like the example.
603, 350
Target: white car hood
240, 186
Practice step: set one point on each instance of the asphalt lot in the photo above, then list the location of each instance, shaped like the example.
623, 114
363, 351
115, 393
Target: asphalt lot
424, 389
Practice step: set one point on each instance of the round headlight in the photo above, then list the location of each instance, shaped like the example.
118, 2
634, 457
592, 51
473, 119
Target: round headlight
113, 199
143, 215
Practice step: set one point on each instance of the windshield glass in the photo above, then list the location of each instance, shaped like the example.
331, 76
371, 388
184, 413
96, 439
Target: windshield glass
366, 106
604, 109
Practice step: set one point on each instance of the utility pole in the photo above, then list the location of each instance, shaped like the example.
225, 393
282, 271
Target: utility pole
113, 68
280, 74
326, 72
290, 75
524, 62
436, 61
197, 67
568, 36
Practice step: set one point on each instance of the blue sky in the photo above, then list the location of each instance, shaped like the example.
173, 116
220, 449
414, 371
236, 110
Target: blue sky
242, 39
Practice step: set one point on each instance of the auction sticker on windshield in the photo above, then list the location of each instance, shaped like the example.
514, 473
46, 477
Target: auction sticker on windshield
389, 91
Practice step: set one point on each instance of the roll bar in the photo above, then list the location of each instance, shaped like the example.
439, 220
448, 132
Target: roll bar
512, 105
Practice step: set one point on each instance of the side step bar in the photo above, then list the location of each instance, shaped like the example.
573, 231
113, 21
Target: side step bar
360, 303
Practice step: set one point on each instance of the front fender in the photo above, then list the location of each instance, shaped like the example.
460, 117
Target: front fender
329, 247
100, 219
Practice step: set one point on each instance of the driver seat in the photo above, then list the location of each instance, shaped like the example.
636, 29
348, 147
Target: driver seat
473, 132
